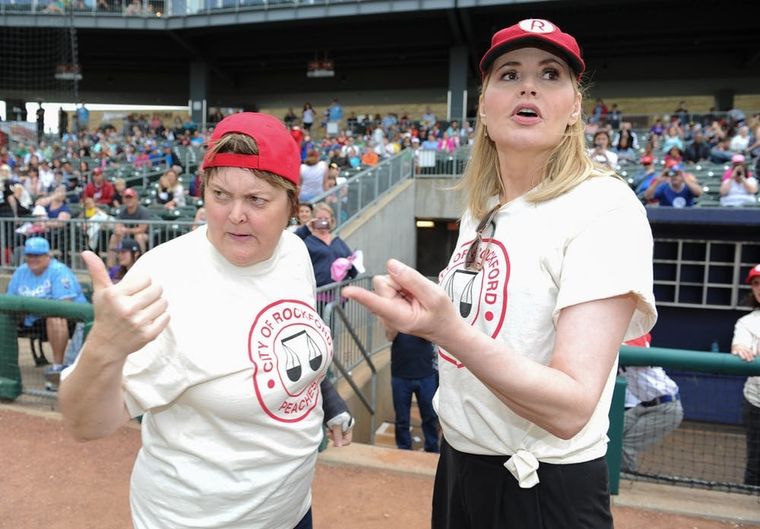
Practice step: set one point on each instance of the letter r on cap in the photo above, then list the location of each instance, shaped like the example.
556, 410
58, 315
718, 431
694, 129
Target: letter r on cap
536, 25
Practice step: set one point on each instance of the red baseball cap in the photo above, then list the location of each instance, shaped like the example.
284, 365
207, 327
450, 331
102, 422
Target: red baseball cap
534, 31
278, 153
755, 272
129, 192
647, 159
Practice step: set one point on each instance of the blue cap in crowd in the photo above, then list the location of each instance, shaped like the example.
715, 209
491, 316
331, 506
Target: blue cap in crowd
36, 246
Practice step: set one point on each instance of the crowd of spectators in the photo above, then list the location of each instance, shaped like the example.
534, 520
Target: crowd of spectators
666, 156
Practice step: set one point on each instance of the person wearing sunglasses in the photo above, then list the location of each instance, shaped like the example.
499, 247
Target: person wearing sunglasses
551, 272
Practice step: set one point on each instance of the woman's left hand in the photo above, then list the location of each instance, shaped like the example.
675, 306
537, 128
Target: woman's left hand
340, 429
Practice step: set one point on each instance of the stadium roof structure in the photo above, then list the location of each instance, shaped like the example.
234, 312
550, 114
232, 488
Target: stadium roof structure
641, 47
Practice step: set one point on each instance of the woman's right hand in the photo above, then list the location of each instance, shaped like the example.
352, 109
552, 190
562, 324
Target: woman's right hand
128, 315
409, 302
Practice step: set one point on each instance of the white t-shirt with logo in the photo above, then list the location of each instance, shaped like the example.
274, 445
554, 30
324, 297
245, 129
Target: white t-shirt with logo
229, 391
593, 242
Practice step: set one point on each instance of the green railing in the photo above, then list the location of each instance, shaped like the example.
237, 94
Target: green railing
11, 307
692, 361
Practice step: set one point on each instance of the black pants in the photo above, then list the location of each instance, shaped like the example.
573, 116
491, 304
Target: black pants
477, 492
752, 424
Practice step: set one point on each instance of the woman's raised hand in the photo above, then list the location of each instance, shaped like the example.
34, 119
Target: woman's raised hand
128, 315
409, 302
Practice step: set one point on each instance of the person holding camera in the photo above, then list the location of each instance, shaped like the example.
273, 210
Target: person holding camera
675, 188
740, 188
324, 249
601, 152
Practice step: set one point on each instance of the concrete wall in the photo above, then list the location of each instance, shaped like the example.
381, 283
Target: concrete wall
386, 229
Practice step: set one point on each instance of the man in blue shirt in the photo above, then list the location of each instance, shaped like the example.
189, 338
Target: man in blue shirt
675, 188
413, 372
44, 277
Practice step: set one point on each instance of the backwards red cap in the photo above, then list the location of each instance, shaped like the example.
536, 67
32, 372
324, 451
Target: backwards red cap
534, 30
753, 273
278, 153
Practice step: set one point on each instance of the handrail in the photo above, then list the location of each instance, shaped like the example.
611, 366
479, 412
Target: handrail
704, 362
334, 308
363, 189
60, 309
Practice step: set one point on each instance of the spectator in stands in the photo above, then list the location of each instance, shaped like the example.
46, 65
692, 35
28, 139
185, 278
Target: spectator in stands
447, 143
370, 158
134, 212
150, 353
335, 112
746, 345
99, 188
171, 158
290, 118
56, 207
32, 183
304, 215
698, 150
643, 179
413, 373
516, 396
674, 156
682, 113
324, 248
740, 142
599, 112
428, 119
119, 186
44, 277
676, 188
673, 138
626, 130
129, 252
652, 407
307, 116
624, 149
740, 188
658, 129
96, 219
171, 192
721, 153
601, 152
615, 117
313, 172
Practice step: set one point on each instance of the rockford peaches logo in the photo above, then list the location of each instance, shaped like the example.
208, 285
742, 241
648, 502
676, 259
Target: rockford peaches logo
479, 296
290, 347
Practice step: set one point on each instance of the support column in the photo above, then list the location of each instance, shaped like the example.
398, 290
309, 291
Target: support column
198, 93
457, 96
724, 100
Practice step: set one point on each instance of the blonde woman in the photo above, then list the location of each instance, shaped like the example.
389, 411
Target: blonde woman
551, 272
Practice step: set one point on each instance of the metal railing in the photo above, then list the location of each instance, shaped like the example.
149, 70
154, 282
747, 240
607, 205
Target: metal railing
70, 237
152, 8
365, 187
441, 163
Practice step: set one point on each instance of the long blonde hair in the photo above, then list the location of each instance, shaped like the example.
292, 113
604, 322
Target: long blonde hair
567, 166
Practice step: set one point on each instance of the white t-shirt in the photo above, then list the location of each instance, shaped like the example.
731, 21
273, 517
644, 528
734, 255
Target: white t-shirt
312, 180
593, 242
747, 333
229, 391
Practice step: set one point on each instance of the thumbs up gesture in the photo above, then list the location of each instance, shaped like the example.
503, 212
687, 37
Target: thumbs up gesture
128, 315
